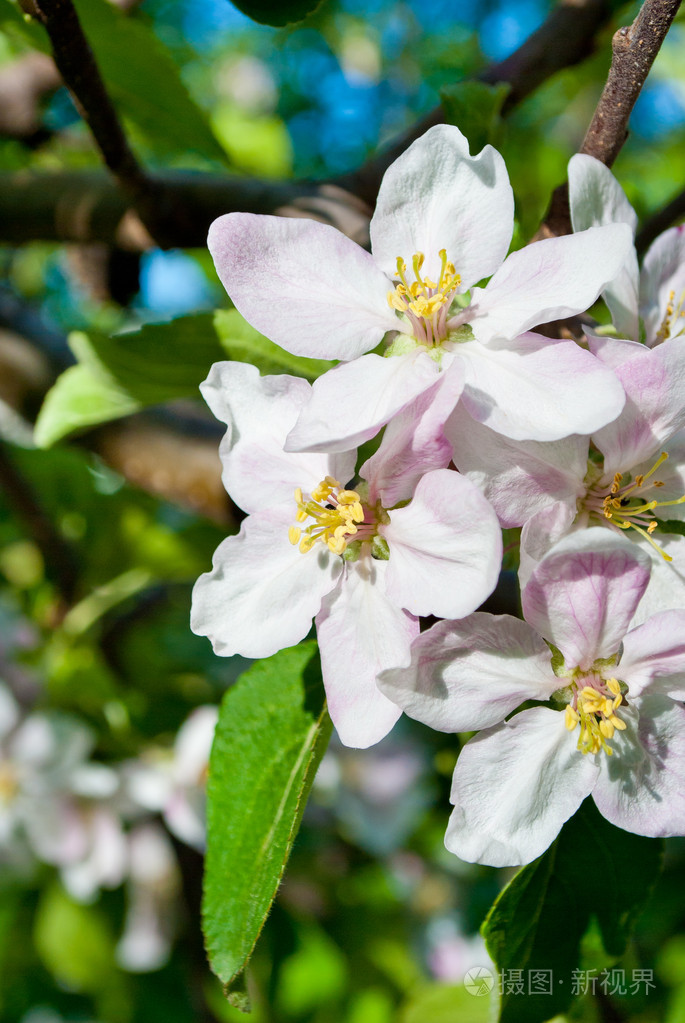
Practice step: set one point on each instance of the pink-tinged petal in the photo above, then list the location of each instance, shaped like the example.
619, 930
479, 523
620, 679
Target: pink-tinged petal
360, 633
654, 656
445, 548
519, 478
596, 198
536, 388
414, 441
302, 284
349, 404
654, 383
666, 588
470, 674
541, 532
582, 596
641, 786
514, 787
663, 272
549, 280
262, 592
260, 412
436, 196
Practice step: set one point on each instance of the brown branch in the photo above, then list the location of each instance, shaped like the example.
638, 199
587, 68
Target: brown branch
634, 49
76, 64
659, 222
86, 207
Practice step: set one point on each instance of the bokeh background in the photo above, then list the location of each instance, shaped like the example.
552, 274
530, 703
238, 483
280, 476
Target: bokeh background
107, 700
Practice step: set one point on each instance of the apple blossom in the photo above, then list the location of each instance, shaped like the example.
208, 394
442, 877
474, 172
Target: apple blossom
657, 294
629, 476
611, 724
443, 222
413, 538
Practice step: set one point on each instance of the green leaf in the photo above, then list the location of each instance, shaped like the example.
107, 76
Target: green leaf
242, 342
73, 941
145, 84
272, 732
592, 872
277, 12
159, 362
447, 1003
81, 398
475, 109
672, 526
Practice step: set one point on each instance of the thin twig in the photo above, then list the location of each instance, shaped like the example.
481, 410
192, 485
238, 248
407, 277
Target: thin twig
634, 49
659, 222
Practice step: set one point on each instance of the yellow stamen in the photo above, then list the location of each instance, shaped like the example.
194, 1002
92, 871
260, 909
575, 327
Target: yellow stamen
595, 711
424, 299
335, 511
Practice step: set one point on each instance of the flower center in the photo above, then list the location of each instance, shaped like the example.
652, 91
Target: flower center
626, 505
336, 513
594, 708
669, 324
424, 302
8, 783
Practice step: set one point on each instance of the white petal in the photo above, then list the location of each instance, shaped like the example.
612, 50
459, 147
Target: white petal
541, 532
414, 441
445, 548
514, 787
583, 595
549, 280
654, 655
360, 633
260, 412
349, 404
518, 478
596, 198
641, 787
536, 388
470, 674
262, 592
654, 383
436, 196
302, 284
663, 272
666, 588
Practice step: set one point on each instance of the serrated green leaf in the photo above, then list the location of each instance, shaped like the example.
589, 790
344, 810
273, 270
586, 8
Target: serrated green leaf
277, 12
592, 871
273, 729
474, 108
242, 342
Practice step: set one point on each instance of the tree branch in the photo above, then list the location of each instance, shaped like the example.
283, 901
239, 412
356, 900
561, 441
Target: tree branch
86, 207
76, 64
634, 50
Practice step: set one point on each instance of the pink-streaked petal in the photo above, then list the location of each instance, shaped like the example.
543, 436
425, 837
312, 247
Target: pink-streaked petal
262, 592
514, 787
360, 633
596, 198
536, 388
663, 272
470, 674
549, 280
414, 441
260, 412
349, 404
640, 787
436, 196
654, 655
445, 548
541, 532
302, 284
519, 478
583, 595
654, 383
